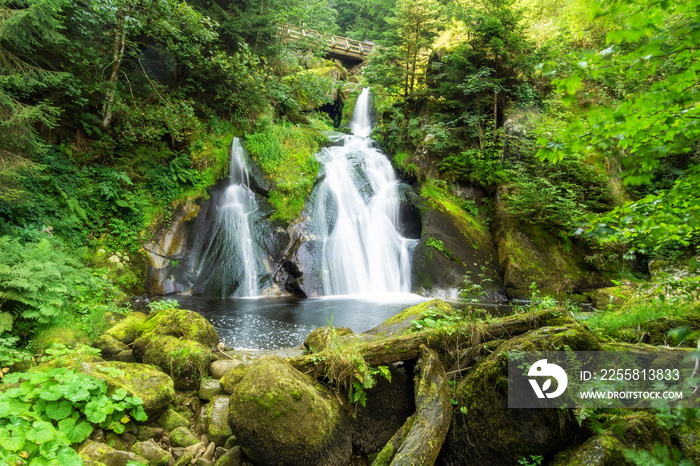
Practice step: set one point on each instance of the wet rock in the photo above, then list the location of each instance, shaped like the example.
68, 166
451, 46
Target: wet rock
283, 417
155, 455
183, 437
209, 388
171, 420
219, 368
154, 387
218, 429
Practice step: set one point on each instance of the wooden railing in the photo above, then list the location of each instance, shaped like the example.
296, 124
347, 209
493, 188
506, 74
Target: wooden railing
335, 45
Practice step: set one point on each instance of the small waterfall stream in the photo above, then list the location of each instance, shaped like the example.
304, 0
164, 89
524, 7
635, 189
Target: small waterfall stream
356, 216
229, 262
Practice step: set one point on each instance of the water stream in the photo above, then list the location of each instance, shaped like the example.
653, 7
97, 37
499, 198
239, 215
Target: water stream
356, 216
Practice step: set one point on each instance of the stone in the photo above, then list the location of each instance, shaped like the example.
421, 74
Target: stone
125, 356
92, 450
155, 455
231, 442
209, 453
128, 329
281, 416
611, 297
233, 457
149, 383
209, 388
171, 420
185, 459
218, 429
183, 437
148, 432
601, 450
121, 458
115, 441
220, 367
109, 346
179, 323
186, 361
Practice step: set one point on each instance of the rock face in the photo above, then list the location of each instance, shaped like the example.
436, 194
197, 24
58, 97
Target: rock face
281, 417
530, 253
491, 434
453, 243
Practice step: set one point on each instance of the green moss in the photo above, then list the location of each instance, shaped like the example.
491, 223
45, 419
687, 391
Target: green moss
186, 361
128, 329
180, 323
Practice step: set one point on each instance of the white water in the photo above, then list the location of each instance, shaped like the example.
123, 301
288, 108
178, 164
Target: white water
233, 248
356, 216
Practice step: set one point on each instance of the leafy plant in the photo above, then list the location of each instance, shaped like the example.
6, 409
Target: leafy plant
163, 304
43, 413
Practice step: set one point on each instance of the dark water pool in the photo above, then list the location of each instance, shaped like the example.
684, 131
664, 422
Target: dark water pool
273, 323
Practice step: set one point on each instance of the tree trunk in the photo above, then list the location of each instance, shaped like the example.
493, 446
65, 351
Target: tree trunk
118, 55
407, 347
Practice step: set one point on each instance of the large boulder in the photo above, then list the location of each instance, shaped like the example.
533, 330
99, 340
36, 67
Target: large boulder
128, 329
453, 243
149, 383
178, 341
282, 417
485, 431
530, 253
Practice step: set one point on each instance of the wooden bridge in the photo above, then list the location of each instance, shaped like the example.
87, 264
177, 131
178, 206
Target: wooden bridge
344, 49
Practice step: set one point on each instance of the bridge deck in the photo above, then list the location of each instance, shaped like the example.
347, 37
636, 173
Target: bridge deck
338, 46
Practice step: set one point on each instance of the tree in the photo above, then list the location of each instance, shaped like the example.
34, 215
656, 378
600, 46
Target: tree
653, 124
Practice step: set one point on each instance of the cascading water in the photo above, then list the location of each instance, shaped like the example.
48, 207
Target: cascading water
229, 262
356, 216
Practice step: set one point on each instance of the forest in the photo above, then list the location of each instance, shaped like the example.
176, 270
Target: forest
577, 121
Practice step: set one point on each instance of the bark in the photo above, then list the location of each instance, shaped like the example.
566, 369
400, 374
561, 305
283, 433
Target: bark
407, 347
118, 55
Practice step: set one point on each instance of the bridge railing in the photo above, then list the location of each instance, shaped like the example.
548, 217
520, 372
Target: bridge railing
333, 43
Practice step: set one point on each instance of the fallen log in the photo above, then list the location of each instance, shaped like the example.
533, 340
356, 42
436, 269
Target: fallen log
407, 347
421, 437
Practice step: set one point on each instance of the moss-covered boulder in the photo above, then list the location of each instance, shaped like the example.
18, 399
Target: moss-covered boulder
320, 339
149, 383
109, 346
601, 450
530, 253
179, 323
485, 431
453, 243
150, 450
282, 417
401, 322
611, 297
128, 329
183, 437
218, 428
186, 361
171, 420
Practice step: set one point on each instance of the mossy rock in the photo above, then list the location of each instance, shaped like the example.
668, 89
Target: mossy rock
601, 450
401, 322
611, 297
171, 420
68, 360
155, 455
109, 346
453, 243
232, 377
530, 253
128, 329
148, 382
282, 417
179, 323
490, 433
183, 437
218, 428
185, 360
320, 339
687, 436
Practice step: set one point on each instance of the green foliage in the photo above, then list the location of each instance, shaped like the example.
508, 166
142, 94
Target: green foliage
163, 304
287, 154
660, 455
36, 280
42, 413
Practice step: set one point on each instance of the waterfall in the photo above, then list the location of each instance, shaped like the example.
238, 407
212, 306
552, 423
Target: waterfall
228, 261
356, 216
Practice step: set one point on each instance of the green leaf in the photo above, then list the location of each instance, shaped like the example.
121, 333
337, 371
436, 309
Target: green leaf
75, 433
119, 394
12, 441
139, 414
41, 432
5, 322
68, 457
58, 411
